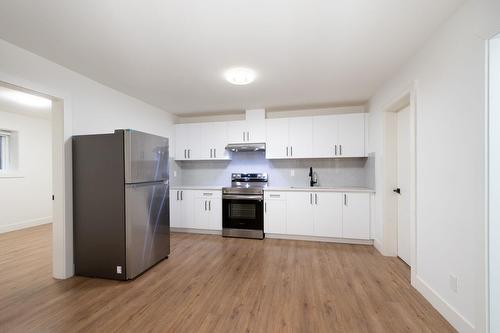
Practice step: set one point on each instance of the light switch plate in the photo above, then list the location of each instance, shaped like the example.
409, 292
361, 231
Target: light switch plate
118, 269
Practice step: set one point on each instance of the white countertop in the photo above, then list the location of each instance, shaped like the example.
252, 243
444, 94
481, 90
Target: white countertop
320, 189
284, 188
206, 188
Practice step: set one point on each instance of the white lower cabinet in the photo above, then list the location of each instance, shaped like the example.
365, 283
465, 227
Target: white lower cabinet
328, 214
208, 213
319, 214
181, 209
275, 213
299, 214
175, 209
196, 209
356, 216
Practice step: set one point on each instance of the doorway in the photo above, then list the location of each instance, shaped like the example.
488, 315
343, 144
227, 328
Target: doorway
398, 187
59, 153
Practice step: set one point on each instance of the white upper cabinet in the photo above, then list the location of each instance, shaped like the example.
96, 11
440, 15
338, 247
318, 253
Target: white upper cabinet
277, 138
236, 131
289, 138
300, 132
246, 131
188, 142
351, 135
356, 215
330, 136
325, 136
339, 135
251, 130
213, 141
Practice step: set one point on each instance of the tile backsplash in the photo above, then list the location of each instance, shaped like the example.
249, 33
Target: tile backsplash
330, 172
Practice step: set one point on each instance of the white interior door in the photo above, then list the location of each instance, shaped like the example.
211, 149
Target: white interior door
403, 170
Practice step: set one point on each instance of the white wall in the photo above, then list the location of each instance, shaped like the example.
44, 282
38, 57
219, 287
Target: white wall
26, 196
450, 211
89, 107
494, 198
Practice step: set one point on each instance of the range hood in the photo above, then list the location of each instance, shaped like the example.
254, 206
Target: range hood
246, 147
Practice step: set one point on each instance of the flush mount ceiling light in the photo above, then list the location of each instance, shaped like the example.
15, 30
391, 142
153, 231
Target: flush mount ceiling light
26, 99
240, 75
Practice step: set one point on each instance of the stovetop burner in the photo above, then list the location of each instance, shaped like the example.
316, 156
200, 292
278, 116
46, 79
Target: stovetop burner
247, 183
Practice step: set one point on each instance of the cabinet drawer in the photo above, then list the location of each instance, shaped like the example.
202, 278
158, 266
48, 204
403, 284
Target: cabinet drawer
208, 194
274, 195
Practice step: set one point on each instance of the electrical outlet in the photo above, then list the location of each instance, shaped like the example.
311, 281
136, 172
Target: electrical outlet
454, 283
118, 269
292, 173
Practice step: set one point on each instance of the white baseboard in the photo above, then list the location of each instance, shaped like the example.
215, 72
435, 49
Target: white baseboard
25, 224
459, 322
196, 231
322, 239
377, 245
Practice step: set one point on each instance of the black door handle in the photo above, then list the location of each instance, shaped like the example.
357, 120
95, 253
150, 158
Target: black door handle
397, 190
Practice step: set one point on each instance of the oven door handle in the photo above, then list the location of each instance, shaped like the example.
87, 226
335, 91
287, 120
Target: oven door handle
243, 197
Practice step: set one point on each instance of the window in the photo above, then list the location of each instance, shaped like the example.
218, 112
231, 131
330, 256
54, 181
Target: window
4, 149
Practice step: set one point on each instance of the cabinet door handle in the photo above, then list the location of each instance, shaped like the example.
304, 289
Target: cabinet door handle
207, 193
274, 195
291, 151
345, 199
205, 204
265, 207
287, 151
181, 195
248, 136
316, 198
189, 153
177, 195
335, 150
184, 153
311, 198
243, 136
340, 147
210, 205
215, 152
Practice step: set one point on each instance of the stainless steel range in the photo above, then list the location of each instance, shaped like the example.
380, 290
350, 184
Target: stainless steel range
243, 206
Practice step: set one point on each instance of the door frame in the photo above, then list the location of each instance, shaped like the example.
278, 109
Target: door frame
488, 186
407, 98
62, 189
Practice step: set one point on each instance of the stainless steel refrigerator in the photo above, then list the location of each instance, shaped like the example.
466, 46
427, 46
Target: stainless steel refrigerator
120, 203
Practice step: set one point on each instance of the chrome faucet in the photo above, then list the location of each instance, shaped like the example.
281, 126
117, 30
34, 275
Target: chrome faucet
313, 178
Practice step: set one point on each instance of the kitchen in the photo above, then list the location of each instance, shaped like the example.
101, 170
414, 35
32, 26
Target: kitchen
279, 149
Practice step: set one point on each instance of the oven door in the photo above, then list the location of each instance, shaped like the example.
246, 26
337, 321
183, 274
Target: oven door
243, 212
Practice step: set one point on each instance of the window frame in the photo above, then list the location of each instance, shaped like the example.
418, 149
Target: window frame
5, 150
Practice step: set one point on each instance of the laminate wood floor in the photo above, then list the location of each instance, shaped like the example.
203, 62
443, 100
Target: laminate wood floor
215, 284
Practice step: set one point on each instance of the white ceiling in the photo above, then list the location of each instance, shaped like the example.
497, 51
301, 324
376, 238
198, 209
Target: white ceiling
9, 105
172, 53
